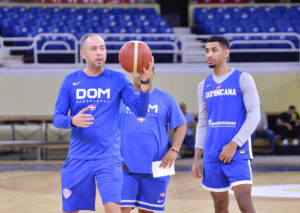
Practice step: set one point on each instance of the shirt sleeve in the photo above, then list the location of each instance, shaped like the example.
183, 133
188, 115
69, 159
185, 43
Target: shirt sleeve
138, 103
252, 105
61, 119
202, 118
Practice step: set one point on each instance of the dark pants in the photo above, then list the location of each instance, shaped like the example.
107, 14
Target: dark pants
266, 134
284, 132
189, 141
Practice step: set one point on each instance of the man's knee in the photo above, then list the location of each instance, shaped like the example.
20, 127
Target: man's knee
246, 204
221, 202
244, 199
126, 209
112, 207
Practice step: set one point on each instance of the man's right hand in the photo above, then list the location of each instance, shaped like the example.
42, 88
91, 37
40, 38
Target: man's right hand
82, 120
196, 169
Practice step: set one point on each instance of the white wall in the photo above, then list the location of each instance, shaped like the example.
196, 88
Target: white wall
34, 91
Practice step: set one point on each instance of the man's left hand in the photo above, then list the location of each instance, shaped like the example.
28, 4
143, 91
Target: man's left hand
148, 72
228, 152
168, 159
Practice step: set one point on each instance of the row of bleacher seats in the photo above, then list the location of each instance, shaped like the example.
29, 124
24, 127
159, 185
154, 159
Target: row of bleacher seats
82, 1
87, 1
249, 19
223, 1
245, 1
28, 22
218, 20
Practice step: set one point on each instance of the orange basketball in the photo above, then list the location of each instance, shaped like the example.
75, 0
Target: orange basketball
134, 56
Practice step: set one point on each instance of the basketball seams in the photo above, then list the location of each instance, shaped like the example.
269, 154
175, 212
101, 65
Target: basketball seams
135, 56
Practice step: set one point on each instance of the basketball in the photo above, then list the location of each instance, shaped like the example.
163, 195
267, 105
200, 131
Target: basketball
134, 56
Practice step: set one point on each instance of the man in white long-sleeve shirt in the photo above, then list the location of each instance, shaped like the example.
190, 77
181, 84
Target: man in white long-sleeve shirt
229, 112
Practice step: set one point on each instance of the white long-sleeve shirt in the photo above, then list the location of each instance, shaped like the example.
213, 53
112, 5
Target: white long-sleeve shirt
252, 105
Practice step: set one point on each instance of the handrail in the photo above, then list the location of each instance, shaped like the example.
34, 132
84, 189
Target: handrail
265, 35
175, 51
292, 45
63, 43
191, 44
53, 35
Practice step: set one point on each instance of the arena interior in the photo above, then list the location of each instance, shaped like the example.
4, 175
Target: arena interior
39, 45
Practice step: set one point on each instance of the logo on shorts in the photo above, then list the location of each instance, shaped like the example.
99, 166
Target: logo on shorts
67, 193
243, 151
162, 195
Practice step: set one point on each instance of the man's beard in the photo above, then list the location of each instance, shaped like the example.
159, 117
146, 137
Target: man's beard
212, 66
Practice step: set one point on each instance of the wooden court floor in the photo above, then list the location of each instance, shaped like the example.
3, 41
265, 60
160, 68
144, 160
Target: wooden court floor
39, 191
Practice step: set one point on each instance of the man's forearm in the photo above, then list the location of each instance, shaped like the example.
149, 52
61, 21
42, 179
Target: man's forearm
198, 153
178, 137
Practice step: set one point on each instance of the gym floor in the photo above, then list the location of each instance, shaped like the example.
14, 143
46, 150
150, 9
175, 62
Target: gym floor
32, 186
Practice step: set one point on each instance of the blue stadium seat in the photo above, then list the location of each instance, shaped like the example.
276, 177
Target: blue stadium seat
52, 10
148, 11
29, 22
133, 10
118, 11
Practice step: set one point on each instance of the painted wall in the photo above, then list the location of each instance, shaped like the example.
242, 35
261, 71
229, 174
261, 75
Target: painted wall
36, 95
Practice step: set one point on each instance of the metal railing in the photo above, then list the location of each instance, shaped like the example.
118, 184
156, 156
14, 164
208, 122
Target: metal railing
43, 49
186, 46
194, 45
170, 40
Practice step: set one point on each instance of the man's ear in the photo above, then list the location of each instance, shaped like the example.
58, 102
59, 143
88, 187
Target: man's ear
82, 53
227, 52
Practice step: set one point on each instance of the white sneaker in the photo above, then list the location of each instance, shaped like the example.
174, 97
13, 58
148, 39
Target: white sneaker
285, 142
295, 142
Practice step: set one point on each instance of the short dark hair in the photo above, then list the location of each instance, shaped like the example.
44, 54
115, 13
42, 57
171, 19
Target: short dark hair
83, 40
221, 39
292, 107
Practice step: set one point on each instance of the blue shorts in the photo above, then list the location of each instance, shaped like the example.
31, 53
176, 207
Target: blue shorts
220, 177
78, 182
143, 191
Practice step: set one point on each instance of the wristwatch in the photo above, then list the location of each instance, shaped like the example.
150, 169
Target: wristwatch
145, 82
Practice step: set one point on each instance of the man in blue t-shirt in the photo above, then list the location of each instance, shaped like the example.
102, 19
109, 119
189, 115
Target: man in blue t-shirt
144, 140
229, 112
88, 102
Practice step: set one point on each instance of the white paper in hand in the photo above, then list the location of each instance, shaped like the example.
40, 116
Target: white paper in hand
160, 172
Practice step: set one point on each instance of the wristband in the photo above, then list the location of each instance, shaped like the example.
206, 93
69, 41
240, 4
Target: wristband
145, 82
175, 149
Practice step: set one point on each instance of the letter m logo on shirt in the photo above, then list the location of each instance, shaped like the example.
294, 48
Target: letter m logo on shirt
153, 109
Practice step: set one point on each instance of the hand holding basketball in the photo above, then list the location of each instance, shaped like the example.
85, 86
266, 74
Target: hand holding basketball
134, 56
147, 72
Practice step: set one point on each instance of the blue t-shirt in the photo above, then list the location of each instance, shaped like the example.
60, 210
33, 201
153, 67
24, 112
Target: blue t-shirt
102, 94
145, 139
226, 113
